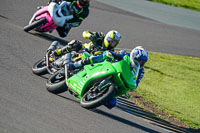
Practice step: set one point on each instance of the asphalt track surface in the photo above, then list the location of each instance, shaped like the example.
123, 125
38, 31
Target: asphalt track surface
26, 106
161, 12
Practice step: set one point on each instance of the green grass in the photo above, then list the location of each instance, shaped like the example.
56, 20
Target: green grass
172, 83
190, 4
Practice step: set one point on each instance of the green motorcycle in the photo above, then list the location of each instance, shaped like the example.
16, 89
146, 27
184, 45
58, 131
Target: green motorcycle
95, 84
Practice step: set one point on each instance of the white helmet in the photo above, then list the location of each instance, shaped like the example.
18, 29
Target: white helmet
139, 55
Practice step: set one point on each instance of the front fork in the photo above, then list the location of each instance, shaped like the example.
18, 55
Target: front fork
51, 48
67, 60
47, 62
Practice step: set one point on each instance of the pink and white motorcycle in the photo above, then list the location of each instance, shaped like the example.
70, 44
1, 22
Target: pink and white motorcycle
50, 17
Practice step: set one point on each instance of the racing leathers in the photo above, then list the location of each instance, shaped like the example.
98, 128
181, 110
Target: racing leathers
79, 14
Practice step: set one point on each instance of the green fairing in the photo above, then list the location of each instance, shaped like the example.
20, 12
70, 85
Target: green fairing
122, 77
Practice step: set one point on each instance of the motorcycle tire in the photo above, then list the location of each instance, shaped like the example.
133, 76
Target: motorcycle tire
35, 24
90, 104
40, 68
56, 84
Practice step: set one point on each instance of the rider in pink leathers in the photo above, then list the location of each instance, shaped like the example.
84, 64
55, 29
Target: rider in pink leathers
81, 11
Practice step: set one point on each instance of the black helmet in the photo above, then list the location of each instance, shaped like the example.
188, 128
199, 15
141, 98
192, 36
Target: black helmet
82, 3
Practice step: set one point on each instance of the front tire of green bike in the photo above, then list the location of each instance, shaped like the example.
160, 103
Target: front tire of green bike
106, 93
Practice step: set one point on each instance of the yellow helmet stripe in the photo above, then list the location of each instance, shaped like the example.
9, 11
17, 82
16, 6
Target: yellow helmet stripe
106, 43
112, 34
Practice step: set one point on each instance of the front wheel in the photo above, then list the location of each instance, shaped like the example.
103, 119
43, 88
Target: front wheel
40, 67
97, 96
56, 83
35, 24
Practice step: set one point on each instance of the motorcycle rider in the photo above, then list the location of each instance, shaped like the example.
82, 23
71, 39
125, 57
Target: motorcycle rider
98, 43
80, 12
138, 58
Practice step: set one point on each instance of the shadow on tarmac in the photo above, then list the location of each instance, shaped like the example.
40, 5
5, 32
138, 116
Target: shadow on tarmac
124, 121
139, 112
1, 16
114, 117
49, 37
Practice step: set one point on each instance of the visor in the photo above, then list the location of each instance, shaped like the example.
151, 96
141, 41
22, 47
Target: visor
112, 42
140, 62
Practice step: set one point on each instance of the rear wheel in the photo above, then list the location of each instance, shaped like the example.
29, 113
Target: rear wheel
56, 83
35, 24
97, 96
40, 67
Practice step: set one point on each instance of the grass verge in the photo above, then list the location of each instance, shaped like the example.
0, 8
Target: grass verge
172, 84
190, 4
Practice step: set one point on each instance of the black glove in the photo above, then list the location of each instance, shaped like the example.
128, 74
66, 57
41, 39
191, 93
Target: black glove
95, 36
85, 61
74, 45
67, 26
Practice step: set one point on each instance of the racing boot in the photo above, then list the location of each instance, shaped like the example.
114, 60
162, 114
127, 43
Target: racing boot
63, 31
111, 103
